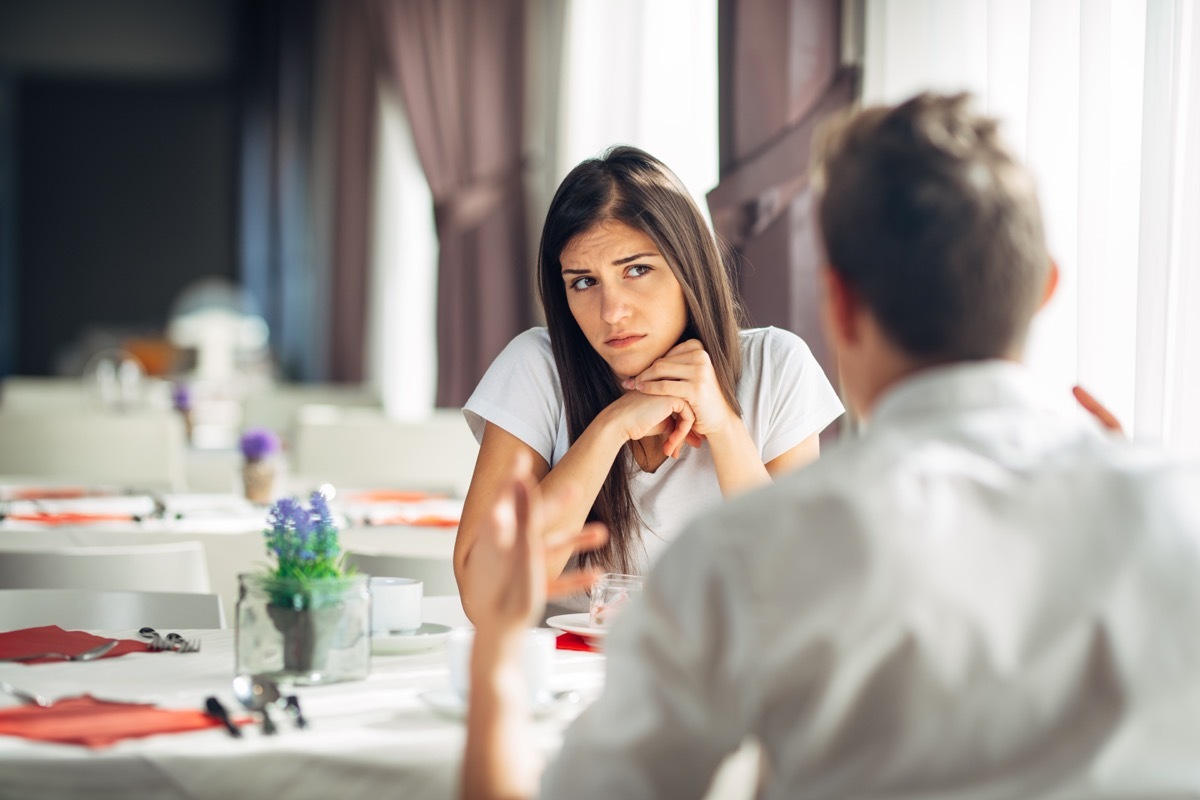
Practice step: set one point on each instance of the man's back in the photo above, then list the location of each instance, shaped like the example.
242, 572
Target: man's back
981, 597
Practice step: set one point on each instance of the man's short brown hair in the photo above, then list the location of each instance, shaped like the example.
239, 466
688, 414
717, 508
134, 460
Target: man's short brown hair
936, 225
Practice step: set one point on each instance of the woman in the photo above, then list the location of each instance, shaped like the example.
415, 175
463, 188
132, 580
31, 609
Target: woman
640, 396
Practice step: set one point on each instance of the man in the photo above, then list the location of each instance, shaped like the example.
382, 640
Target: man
983, 596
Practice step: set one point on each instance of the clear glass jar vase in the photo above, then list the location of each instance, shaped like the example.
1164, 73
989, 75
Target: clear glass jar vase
303, 632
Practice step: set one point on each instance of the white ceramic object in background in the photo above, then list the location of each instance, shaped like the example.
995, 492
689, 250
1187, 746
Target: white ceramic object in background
395, 605
537, 661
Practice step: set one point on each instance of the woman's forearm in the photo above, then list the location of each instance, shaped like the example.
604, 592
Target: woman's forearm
580, 475
736, 458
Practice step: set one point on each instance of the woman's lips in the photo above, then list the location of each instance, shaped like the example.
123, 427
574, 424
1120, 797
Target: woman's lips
625, 341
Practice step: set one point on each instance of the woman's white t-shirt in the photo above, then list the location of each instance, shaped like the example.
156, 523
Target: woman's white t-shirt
783, 391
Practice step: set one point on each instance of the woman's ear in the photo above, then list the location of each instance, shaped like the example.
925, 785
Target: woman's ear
1051, 284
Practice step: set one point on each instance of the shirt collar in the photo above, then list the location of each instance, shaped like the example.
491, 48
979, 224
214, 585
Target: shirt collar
958, 387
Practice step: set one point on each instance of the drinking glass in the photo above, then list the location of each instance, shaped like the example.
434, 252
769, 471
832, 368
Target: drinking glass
611, 592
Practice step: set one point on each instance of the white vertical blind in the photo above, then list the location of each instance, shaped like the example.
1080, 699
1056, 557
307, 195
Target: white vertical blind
1100, 97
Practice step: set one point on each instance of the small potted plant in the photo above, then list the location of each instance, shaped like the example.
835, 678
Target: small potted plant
307, 618
260, 467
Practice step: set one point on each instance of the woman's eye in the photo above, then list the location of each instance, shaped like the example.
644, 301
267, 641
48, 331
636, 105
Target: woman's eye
638, 270
579, 284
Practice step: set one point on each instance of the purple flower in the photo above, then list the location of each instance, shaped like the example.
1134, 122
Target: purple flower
258, 443
303, 540
181, 397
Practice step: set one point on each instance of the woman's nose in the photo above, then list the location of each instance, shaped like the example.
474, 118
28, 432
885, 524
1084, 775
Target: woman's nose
614, 306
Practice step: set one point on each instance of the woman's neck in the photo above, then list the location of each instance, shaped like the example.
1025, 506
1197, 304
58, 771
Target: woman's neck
648, 452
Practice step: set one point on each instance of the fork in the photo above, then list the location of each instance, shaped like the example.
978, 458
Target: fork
172, 641
86, 655
24, 696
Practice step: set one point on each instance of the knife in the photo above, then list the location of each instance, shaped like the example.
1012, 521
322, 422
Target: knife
214, 708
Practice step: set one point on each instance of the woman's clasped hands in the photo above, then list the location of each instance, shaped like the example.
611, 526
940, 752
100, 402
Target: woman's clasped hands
681, 386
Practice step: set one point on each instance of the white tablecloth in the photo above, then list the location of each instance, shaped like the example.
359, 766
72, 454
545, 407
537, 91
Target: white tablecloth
368, 739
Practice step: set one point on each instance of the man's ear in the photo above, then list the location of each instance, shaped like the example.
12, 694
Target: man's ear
1051, 284
841, 306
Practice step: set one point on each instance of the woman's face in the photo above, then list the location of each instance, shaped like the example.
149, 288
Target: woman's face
623, 295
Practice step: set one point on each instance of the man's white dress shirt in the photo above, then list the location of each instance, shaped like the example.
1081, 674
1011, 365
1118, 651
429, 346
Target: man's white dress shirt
984, 596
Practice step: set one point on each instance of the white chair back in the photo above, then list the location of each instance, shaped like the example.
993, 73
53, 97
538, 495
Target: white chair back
356, 448
436, 573
277, 407
83, 609
174, 567
144, 449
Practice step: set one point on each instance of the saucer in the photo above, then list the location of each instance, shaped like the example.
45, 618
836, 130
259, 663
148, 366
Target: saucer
578, 624
426, 637
450, 703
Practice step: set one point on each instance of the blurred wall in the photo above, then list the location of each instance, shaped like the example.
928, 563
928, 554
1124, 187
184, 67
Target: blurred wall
121, 118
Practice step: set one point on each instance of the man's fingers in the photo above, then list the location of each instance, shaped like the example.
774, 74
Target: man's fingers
571, 583
591, 536
1096, 409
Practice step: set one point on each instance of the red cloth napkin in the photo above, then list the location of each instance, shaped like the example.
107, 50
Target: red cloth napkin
425, 521
69, 518
53, 639
98, 723
391, 496
573, 641
47, 493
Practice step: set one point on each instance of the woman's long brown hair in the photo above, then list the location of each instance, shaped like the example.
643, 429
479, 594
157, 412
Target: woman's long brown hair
632, 187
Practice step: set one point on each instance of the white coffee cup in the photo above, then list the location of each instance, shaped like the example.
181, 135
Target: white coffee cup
395, 605
537, 661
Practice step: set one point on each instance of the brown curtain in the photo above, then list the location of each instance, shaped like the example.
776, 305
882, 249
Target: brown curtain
459, 67
354, 107
780, 76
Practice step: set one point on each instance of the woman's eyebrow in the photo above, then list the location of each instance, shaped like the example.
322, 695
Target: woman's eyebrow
633, 257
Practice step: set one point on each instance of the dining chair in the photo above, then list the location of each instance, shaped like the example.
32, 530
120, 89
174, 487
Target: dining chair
357, 447
139, 449
170, 567
278, 407
436, 573
93, 608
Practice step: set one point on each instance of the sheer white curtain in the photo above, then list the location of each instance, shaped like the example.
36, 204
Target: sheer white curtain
402, 325
642, 72
1101, 98
633, 72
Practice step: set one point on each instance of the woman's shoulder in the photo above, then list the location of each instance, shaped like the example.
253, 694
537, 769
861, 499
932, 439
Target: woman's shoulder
530, 344
763, 344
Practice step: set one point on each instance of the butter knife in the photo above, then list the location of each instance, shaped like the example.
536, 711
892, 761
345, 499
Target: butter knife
215, 709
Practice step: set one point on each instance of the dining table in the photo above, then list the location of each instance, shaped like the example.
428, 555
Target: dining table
372, 738
231, 529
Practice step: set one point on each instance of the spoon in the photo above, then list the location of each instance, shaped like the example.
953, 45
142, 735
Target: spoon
257, 693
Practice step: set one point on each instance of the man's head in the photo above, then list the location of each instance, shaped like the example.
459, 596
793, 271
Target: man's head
932, 230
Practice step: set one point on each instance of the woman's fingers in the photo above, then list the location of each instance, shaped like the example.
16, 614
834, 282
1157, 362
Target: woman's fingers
685, 418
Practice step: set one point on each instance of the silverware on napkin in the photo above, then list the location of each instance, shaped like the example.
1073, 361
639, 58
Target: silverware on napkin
214, 708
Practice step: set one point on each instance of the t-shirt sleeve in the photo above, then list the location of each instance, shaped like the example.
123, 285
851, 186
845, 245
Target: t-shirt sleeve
799, 399
520, 393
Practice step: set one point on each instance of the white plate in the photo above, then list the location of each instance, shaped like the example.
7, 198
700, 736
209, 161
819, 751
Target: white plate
426, 637
577, 624
449, 702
